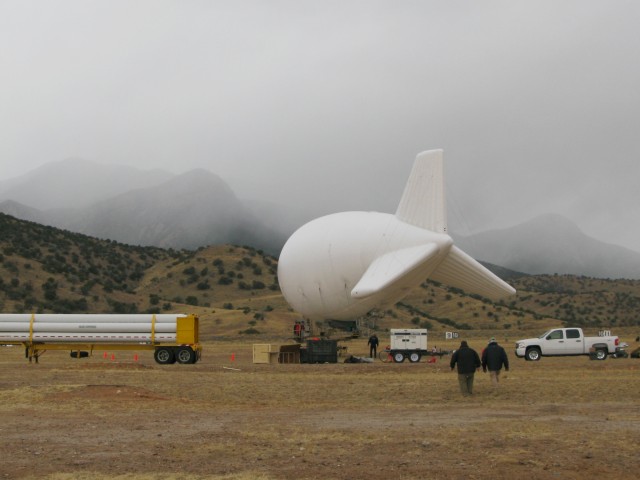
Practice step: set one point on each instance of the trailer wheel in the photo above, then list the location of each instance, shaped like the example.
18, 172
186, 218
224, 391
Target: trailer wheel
532, 354
186, 355
398, 357
164, 355
414, 357
79, 354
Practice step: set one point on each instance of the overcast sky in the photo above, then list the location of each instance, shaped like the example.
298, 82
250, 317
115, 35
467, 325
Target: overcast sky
324, 104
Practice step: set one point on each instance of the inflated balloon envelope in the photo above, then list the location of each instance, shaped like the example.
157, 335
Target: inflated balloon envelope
343, 265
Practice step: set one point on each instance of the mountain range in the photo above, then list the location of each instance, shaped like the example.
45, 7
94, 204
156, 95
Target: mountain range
551, 244
120, 203
197, 208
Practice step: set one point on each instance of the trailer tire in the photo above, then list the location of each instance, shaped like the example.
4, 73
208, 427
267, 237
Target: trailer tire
414, 357
79, 354
398, 357
186, 355
164, 356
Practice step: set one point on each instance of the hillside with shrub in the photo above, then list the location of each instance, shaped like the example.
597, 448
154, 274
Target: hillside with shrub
235, 289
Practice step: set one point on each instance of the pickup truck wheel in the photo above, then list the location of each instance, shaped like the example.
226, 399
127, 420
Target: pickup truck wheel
398, 357
533, 354
164, 356
601, 354
414, 357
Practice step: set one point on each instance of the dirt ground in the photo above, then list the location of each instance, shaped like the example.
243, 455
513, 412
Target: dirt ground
227, 418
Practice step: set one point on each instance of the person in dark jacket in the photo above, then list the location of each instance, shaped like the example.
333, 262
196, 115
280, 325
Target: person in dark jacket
494, 358
468, 362
373, 345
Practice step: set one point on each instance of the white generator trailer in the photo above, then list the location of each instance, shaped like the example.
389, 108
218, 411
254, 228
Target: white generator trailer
408, 343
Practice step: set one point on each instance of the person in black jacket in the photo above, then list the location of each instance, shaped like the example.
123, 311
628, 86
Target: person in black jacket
373, 345
468, 362
493, 358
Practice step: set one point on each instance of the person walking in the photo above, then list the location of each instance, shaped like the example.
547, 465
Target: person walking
373, 345
467, 361
494, 358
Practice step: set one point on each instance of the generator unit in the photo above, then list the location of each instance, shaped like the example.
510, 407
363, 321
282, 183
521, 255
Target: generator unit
408, 343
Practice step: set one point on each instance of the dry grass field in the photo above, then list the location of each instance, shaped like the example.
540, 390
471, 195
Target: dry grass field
231, 419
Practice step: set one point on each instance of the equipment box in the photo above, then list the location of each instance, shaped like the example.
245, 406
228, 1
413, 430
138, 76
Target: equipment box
265, 353
320, 351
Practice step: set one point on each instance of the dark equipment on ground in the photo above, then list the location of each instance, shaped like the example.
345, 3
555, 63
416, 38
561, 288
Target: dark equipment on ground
319, 350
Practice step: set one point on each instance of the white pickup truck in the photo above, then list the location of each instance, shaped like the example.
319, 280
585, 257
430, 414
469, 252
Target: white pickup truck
566, 341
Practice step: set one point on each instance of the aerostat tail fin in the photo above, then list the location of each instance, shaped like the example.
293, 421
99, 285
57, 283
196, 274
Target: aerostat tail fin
461, 271
422, 203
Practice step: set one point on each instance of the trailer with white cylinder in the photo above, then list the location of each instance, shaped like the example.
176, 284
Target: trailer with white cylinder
172, 337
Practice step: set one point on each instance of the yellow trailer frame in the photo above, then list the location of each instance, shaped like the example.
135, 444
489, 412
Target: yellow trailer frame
186, 348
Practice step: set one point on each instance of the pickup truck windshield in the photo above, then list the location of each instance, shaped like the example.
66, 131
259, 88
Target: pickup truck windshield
545, 334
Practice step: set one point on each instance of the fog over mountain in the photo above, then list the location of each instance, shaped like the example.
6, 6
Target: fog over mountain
198, 208
324, 105
190, 210
75, 182
551, 244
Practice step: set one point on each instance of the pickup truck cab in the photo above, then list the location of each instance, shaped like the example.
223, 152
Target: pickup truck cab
566, 341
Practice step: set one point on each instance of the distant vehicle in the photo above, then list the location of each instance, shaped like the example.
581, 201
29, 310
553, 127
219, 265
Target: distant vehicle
408, 343
172, 337
566, 341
